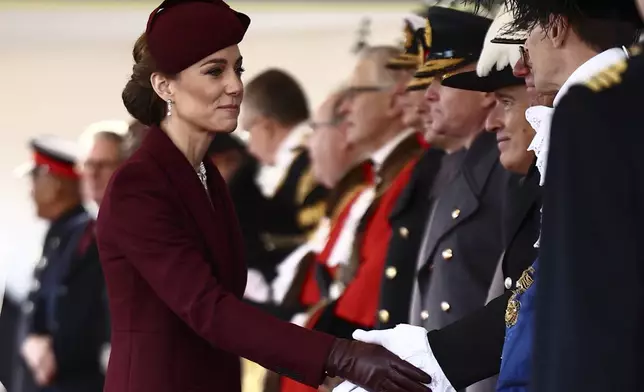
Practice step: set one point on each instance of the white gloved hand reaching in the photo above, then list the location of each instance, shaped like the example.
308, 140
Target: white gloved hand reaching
409, 343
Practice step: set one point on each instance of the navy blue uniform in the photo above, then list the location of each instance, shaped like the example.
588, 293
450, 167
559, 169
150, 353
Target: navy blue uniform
66, 303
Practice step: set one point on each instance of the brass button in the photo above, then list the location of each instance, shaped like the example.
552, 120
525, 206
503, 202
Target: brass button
391, 272
424, 315
42, 263
508, 283
383, 315
447, 254
35, 285
456, 213
445, 306
28, 307
404, 232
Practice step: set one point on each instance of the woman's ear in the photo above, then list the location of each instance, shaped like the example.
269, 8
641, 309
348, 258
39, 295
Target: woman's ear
161, 85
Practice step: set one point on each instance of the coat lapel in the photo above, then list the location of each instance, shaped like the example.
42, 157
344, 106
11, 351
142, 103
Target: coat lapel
420, 181
526, 194
460, 199
211, 214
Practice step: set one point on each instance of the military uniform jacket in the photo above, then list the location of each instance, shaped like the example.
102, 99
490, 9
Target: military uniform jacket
464, 238
590, 316
357, 306
408, 220
67, 302
282, 222
470, 349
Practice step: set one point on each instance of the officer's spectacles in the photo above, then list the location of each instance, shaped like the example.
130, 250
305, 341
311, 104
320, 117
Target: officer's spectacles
525, 56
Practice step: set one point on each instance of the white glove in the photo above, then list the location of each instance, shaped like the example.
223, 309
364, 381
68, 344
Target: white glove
409, 343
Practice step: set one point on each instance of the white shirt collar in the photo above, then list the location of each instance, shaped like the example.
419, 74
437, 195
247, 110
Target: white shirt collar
270, 177
589, 69
380, 155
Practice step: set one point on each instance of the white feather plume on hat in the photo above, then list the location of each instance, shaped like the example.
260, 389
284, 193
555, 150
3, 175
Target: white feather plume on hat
499, 55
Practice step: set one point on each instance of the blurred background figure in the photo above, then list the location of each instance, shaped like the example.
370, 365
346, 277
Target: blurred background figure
228, 152
103, 146
64, 318
288, 200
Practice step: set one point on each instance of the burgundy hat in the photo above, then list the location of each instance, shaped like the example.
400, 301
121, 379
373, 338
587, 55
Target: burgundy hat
180, 33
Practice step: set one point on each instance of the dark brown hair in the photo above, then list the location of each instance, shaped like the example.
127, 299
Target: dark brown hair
140, 99
276, 94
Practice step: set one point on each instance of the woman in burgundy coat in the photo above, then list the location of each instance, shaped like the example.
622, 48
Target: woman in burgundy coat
169, 240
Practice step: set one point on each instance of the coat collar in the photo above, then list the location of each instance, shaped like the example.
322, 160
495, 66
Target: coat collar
212, 211
408, 148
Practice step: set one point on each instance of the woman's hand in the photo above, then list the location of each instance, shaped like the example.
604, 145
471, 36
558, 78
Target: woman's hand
374, 368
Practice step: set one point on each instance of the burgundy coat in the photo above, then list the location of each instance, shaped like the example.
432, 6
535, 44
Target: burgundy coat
175, 275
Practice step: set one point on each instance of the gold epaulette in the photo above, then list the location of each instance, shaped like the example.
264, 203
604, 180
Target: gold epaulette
608, 77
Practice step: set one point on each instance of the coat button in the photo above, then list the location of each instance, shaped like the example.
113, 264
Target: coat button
456, 213
35, 285
508, 283
424, 315
383, 315
42, 263
55, 243
404, 232
391, 272
445, 306
447, 254
28, 307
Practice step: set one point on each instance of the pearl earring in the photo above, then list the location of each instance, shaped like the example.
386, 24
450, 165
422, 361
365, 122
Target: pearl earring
169, 102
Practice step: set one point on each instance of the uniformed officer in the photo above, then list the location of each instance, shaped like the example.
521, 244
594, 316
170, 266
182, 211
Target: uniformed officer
64, 316
283, 203
589, 304
469, 350
464, 196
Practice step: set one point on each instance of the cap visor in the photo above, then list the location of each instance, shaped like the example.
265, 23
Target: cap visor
419, 83
494, 81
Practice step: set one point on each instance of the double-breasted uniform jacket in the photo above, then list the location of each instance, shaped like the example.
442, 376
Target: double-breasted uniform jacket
356, 307
408, 220
469, 350
66, 303
173, 263
592, 255
464, 238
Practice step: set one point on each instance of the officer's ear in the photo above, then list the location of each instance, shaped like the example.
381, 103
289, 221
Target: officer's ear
488, 101
558, 30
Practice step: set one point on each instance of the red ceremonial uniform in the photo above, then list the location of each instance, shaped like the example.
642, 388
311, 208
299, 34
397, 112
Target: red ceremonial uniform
339, 213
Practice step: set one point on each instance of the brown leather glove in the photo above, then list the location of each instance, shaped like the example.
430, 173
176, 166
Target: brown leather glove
374, 368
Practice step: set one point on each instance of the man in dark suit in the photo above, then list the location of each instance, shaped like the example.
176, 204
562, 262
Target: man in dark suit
64, 325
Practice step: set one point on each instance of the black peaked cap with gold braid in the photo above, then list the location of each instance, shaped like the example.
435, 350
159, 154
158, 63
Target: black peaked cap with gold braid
494, 68
455, 38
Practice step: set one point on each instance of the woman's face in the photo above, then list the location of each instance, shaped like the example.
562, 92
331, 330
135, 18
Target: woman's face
209, 93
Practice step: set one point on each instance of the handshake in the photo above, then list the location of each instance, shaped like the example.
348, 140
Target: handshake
410, 344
